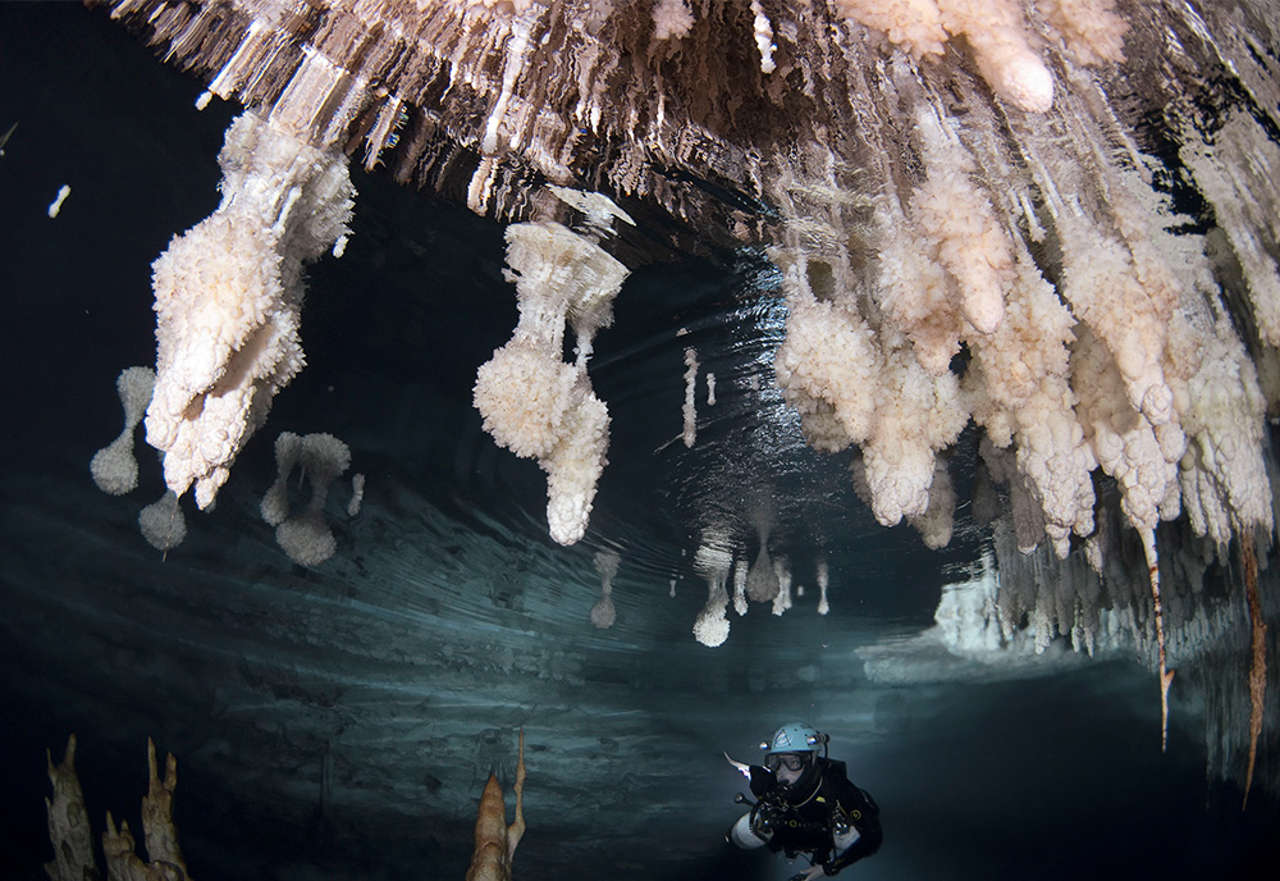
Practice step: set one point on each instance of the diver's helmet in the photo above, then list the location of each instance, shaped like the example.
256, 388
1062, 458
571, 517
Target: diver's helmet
796, 746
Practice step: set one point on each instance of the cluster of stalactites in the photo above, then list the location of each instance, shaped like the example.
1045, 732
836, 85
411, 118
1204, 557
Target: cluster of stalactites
1015, 606
615, 93
1127, 362
1000, 35
1014, 214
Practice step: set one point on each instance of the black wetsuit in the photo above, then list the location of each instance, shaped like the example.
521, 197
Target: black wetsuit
802, 816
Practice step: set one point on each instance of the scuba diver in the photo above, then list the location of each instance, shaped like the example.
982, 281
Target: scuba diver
805, 803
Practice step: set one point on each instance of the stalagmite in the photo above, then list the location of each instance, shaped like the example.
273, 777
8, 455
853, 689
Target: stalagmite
70, 834
160, 834
495, 841
68, 820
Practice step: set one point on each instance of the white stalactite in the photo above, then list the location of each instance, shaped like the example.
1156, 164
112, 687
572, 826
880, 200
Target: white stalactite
532, 402
229, 296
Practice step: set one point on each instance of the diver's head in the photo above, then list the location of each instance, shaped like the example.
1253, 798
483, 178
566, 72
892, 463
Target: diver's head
792, 753
789, 767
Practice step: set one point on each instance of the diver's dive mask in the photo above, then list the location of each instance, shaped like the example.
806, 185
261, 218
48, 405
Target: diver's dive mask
790, 761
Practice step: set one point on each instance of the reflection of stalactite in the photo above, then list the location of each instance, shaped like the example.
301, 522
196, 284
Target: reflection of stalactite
603, 613
690, 409
713, 561
1258, 659
1108, 605
762, 580
824, 580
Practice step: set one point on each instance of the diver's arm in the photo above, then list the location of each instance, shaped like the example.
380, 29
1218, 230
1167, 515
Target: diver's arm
861, 835
858, 843
855, 844
762, 780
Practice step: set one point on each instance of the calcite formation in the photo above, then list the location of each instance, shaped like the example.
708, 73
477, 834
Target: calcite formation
1053, 219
